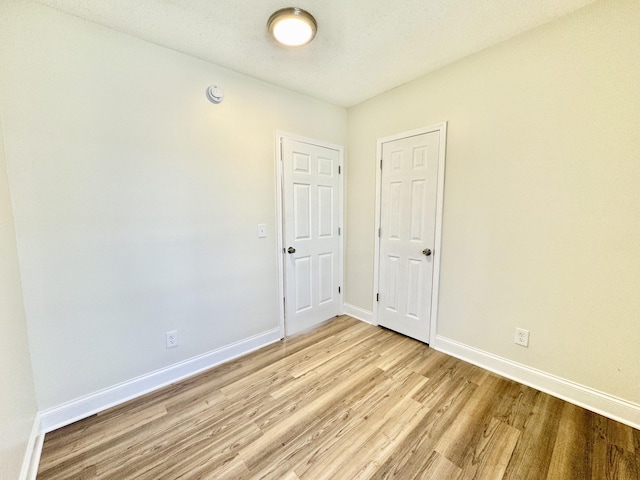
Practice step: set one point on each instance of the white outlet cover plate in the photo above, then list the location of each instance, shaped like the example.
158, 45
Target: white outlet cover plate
262, 230
172, 339
522, 337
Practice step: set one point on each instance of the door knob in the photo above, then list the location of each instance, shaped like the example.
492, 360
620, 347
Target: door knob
426, 252
291, 250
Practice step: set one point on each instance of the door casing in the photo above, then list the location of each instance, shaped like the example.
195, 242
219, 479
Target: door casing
442, 128
280, 217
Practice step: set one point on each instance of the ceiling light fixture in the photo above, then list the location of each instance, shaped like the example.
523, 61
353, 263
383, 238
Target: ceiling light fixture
292, 27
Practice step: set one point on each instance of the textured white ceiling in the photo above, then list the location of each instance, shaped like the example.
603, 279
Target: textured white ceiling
363, 47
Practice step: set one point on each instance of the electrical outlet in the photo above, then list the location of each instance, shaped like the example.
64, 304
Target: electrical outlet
262, 230
172, 339
522, 337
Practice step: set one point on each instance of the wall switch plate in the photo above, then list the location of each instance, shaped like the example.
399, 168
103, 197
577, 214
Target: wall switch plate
522, 337
262, 230
172, 339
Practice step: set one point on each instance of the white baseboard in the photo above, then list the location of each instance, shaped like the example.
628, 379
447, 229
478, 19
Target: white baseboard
357, 312
612, 407
32, 454
83, 407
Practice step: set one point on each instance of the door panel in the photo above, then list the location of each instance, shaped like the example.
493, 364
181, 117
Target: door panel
392, 274
325, 211
311, 201
325, 282
302, 211
407, 219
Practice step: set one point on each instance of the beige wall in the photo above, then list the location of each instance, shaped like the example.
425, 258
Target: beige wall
136, 200
17, 395
542, 211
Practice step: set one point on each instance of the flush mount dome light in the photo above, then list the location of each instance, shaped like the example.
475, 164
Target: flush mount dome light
292, 27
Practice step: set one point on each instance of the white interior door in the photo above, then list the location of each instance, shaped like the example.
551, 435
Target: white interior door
311, 234
408, 215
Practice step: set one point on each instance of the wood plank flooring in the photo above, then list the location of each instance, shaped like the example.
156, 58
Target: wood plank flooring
345, 401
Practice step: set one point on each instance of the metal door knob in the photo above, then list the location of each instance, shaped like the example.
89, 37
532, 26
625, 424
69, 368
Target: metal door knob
426, 252
291, 250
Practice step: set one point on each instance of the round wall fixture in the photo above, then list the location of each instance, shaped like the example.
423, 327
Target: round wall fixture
292, 27
215, 94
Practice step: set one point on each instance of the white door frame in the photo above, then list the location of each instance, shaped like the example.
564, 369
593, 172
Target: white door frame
442, 128
280, 218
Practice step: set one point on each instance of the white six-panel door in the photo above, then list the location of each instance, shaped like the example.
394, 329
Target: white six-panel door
311, 236
408, 214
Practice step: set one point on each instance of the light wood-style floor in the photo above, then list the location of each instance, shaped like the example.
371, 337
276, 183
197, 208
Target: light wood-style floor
346, 401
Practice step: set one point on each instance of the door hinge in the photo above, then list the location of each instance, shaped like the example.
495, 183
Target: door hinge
339, 231
379, 232
339, 289
339, 169
377, 297
381, 164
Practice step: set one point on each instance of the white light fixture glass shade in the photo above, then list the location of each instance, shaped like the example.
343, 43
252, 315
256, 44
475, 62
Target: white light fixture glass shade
292, 27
